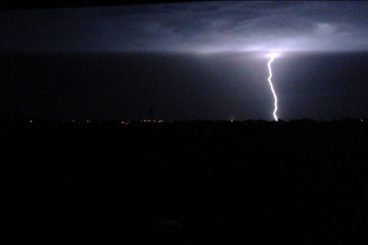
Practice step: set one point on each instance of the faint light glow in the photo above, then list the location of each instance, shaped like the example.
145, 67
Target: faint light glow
272, 56
30, 121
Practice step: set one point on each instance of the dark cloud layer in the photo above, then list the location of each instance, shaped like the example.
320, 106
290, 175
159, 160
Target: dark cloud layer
191, 27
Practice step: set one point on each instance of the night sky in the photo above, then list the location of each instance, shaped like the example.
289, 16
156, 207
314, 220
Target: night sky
188, 60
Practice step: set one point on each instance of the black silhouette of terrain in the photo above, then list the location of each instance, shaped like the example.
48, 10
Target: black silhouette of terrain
253, 182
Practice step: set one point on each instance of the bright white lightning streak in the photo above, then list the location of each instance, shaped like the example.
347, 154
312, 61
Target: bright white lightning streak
272, 57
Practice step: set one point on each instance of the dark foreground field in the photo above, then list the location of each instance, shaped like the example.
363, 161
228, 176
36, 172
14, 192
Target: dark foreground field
186, 183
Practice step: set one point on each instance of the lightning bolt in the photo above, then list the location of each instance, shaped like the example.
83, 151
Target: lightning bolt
272, 57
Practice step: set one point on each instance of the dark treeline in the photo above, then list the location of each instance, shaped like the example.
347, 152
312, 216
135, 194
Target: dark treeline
254, 182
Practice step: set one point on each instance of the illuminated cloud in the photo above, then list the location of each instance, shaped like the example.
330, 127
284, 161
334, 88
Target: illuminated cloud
192, 27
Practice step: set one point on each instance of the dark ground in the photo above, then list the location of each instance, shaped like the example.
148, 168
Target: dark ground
186, 183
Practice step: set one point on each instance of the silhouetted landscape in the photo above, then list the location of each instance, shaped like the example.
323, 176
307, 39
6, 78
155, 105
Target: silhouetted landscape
193, 182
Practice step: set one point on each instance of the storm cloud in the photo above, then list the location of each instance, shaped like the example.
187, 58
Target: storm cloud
207, 27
